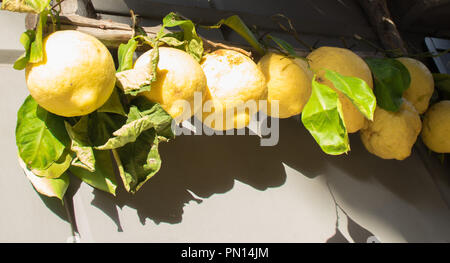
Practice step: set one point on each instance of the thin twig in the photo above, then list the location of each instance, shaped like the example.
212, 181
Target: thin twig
56, 5
291, 29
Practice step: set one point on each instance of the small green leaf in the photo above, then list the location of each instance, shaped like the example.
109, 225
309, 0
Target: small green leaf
174, 39
25, 6
26, 39
113, 104
194, 44
37, 50
139, 161
57, 168
49, 187
391, 79
357, 90
322, 117
81, 145
41, 136
236, 23
125, 55
285, 46
103, 177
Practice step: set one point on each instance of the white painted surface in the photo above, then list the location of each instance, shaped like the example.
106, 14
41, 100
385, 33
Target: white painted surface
23, 215
250, 193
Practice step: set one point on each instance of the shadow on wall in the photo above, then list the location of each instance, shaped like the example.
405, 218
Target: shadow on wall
207, 165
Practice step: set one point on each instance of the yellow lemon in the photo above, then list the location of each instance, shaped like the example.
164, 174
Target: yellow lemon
234, 87
76, 76
288, 82
436, 127
346, 63
422, 84
391, 135
179, 77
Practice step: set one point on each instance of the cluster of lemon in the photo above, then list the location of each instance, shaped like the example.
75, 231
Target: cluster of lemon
78, 75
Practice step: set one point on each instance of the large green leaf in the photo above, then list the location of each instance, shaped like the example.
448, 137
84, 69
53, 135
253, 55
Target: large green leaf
40, 135
161, 119
25, 6
81, 145
113, 104
236, 23
151, 116
139, 161
391, 79
194, 44
57, 168
49, 187
357, 90
322, 116
103, 177
102, 125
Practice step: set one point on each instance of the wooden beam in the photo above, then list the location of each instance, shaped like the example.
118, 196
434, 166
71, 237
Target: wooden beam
380, 19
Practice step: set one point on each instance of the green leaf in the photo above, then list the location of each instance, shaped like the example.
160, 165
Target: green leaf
125, 55
174, 39
135, 81
442, 84
391, 79
154, 116
285, 46
25, 6
57, 168
40, 135
81, 145
102, 125
193, 43
357, 90
322, 117
161, 119
49, 187
37, 50
236, 23
103, 177
26, 39
139, 161
113, 104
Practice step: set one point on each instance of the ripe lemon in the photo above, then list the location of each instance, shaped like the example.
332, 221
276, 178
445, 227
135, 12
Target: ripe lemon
288, 82
234, 81
178, 77
391, 135
346, 63
436, 127
76, 76
422, 84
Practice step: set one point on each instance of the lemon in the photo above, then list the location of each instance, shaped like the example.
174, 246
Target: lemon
76, 76
234, 82
422, 84
288, 82
391, 135
178, 77
346, 63
436, 127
